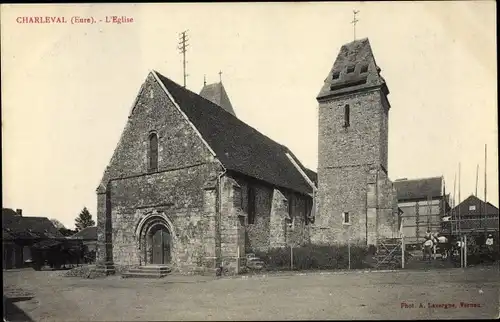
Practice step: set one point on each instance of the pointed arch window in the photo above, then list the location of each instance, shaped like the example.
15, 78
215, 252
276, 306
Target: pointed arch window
153, 152
347, 115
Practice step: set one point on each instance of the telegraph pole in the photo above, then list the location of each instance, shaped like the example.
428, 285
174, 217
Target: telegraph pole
477, 171
485, 207
485, 155
459, 217
182, 49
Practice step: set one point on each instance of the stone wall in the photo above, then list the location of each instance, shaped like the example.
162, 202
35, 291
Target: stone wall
271, 225
207, 218
341, 190
346, 155
297, 231
388, 223
358, 144
176, 189
232, 226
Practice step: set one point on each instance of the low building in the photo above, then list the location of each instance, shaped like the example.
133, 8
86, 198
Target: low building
423, 203
20, 233
88, 236
473, 217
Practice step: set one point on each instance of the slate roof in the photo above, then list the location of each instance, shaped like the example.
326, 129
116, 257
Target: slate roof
15, 226
356, 54
418, 189
88, 233
237, 145
216, 94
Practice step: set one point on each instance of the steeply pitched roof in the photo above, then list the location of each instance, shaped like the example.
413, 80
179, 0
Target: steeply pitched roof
216, 94
16, 226
88, 233
238, 146
358, 55
418, 189
481, 208
312, 175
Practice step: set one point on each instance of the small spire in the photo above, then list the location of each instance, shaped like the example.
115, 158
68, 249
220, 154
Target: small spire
220, 76
204, 80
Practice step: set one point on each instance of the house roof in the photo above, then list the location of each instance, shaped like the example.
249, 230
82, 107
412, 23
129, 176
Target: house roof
15, 226
481, 207
312, 175
216, 94
88, 233
418, 189
357, 54
237, 145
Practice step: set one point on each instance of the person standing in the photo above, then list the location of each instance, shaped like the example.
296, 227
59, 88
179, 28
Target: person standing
489, 243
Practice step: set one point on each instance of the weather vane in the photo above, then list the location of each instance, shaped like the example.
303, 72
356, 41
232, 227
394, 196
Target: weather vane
354, 21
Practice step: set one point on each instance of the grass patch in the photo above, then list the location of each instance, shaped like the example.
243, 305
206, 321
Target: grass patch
315, 257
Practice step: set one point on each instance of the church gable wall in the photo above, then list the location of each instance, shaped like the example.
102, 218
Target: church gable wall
175, 187
179, 145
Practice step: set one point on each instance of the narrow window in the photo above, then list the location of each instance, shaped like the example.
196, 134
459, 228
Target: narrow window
290, 205
347, 117
364, 69
153, 152
307, 210
251, 204
237, 199
346, 218
350, 69
336, 75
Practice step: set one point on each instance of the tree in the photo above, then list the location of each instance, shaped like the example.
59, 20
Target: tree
59, 225
84, 220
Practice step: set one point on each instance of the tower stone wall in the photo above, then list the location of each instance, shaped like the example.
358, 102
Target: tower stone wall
352, 152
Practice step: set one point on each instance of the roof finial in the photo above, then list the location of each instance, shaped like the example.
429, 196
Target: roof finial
220, 76
204, 80
354, 21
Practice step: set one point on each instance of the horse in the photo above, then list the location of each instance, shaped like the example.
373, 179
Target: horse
427, 249
444, 247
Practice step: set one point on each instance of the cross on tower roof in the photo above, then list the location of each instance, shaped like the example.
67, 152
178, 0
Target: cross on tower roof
354, 21
220, 76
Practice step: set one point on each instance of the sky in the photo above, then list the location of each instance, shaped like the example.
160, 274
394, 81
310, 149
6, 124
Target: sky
67, 89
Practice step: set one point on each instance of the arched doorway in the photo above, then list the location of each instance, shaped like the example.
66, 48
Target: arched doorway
160, 241
156, 239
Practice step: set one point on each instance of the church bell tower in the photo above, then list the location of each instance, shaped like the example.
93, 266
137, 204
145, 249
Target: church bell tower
353, 148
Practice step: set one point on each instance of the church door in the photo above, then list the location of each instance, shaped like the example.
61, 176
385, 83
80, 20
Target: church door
161, 246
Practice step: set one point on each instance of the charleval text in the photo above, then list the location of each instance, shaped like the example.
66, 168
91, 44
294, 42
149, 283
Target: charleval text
73, 20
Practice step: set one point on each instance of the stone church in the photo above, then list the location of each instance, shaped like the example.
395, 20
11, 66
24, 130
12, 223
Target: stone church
192, 186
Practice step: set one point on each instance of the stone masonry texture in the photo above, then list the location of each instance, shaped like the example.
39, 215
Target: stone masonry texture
350, 161
204, 208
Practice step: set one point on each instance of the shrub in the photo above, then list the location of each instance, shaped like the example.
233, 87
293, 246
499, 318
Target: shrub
315, 257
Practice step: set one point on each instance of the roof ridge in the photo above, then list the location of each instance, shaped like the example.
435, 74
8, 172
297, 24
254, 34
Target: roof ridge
215, 105
248, 144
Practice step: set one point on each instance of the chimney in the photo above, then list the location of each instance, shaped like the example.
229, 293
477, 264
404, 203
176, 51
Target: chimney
19, 212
